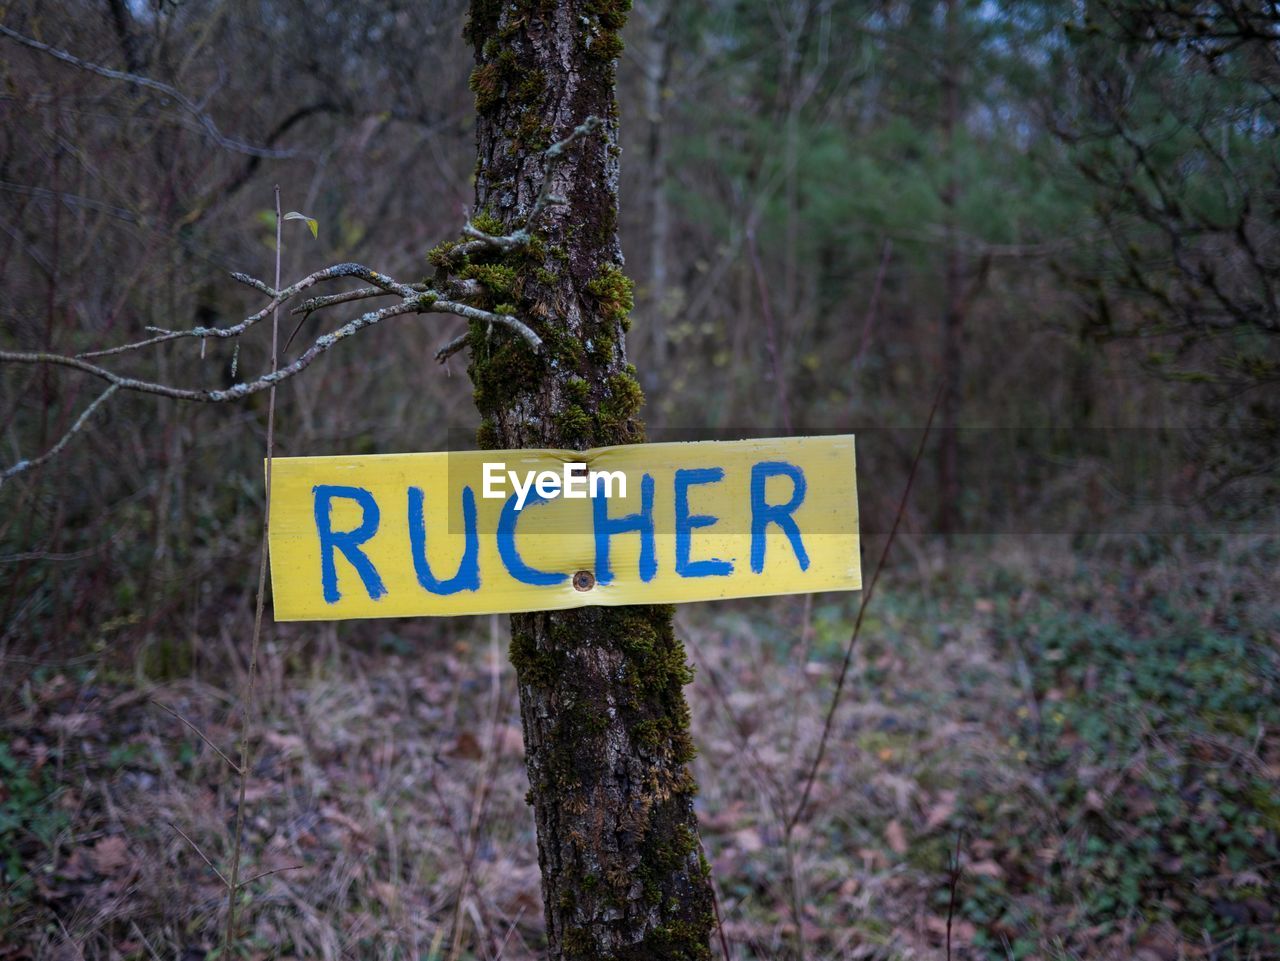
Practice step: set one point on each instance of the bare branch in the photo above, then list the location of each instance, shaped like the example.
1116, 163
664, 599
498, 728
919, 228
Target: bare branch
56, 449
415, 298
360, 293
475, 313
383, 282
554, 154
71, 200
420, 303
503, 242
267, 874
463, 289
451, 348
304, 360
867, 593
253, 282
480, 241
307, 307
137, 80
196, 847
520, 238
584, 129
127, 348
246, 718
198, 733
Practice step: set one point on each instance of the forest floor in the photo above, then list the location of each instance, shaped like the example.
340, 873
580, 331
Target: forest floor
1095, 730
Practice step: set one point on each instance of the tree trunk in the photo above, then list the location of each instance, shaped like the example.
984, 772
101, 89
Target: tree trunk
657, 76
606, 725
953, 313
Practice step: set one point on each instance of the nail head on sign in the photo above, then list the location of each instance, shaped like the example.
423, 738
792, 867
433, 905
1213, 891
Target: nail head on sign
584, 581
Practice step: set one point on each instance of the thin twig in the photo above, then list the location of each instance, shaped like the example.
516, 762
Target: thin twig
322, 345
869, 321
481, 791
305, 318
360, 293
554, 155
278, 297
715, 903
584, 129
56, 449
72, 200
416, 298
793, 889
195, 847
955, 883
138, 931
266, 874
475, 313
251, 281
247, 718
770, 328
128, 348
456, 289
862, 610
451, 348
415, 303
503, 242
198, 733
138, 80
502, 945
773, 790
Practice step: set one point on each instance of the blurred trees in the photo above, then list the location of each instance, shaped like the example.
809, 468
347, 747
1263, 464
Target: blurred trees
890, 167
953, 194
1175, 126
830, 209
119, 212
1063, 214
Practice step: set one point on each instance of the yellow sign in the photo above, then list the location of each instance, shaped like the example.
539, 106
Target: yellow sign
406, 535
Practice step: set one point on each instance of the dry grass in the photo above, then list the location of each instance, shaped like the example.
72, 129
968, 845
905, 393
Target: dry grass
387, 786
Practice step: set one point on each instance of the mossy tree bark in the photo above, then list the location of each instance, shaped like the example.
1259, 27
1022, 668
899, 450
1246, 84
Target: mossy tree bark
606, 725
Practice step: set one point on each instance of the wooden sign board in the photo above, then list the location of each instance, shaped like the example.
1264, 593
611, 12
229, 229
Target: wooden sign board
407, 535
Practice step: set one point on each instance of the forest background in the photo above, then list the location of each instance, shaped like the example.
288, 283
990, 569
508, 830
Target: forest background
1052, 227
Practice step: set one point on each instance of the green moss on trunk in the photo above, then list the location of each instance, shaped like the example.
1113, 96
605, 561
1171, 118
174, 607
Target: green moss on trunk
605, 719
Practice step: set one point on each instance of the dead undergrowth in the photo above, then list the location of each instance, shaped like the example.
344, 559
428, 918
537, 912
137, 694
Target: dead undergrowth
1096, 817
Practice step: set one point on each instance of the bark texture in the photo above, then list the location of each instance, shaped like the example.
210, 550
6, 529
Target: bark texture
606, 725
954, 311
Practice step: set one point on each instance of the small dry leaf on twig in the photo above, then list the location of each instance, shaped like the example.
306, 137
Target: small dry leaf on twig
312, 224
